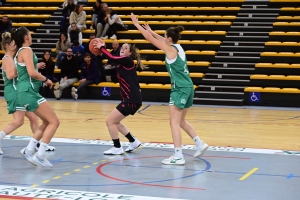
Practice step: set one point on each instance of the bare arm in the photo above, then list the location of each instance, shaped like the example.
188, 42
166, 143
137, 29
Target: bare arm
158, 37
170, 52
26, 56
9, 66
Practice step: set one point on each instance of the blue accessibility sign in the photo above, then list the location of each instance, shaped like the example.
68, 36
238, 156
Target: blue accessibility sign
106, 91
254, 96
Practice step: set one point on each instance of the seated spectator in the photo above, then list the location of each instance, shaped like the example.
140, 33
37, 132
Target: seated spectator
86, 46
78, 16
110, 66
61, 47
89, 75
74, 34
115, 24
5, 25
68, 7
69, 73
78, 51
96, 9
48, 69
102, 20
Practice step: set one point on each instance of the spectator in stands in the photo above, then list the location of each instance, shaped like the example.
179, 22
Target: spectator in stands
5, 25
78, 51
68, 8
86, 46
115, 23
48, 70
110, 66
69, 73
61, 47
96, 9
78, 16
102, 20
74, 34
89, 75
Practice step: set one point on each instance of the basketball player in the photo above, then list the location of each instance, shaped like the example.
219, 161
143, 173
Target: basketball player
10, 93
130, 93
182, 92
29, 82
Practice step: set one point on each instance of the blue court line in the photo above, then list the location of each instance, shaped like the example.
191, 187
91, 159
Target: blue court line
290, 176
140, 111
55, 161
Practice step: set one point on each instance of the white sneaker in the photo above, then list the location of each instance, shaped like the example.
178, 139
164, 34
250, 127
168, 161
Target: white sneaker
104, 38
28, 155
49, 148
1, 152
91, 27
74, 95
113, 37
173, 161
41, 161
74, 89
201, 151
133, 145
56, 86
114, 151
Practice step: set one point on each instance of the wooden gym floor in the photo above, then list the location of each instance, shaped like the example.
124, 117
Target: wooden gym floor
247, 127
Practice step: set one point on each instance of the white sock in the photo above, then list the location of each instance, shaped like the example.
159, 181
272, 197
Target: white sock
2, 135
32, 144
42, 149
178, 152
198, 142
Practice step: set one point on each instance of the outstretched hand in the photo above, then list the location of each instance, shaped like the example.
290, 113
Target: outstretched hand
134, 19
147, 27
98, 43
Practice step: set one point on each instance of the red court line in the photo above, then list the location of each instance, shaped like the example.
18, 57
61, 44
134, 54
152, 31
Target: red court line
3, 197
99, 171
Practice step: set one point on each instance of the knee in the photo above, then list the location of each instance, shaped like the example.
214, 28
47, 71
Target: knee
19, 122
182, 123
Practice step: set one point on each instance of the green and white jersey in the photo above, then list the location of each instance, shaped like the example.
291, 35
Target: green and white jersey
8, 82
178, 70
23, 77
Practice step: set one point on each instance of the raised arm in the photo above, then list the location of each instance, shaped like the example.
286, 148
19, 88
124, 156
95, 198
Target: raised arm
148, 36
157, 36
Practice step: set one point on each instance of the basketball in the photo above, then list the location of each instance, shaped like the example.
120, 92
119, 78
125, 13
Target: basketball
94, 50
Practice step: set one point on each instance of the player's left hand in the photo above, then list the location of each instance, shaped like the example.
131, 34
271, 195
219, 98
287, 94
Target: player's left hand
134, 19
41, 65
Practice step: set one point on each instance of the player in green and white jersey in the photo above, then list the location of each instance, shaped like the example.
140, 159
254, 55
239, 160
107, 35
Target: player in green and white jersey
29, 81
9, 75
182, 92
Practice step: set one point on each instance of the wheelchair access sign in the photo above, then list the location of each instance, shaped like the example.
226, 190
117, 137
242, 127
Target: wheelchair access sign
106, 91
254, 96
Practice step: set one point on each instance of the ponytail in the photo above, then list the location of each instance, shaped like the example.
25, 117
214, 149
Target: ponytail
136, 55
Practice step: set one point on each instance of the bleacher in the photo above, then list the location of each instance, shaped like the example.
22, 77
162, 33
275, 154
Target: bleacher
235, 48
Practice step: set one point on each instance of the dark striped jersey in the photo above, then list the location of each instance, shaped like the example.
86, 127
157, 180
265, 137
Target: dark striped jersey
126, 72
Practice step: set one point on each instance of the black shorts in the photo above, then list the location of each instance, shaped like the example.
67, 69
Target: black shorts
128, 108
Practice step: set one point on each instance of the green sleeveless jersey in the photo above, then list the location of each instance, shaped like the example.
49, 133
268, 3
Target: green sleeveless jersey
178, 70
23, 77
8, 82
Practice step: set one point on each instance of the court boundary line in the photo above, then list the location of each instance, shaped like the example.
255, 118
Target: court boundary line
163, 145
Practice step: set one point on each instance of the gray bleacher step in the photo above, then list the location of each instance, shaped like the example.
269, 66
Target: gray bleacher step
240, 37
212, 101
220, 88
52, 21
219, 94
224, 80
231, 68
257, 18
262, 14
50, 39
251, 5
247, 27
233, 63
46, 29
243, 42
238, 57
261, 9
230, 46
252, 23
247, 33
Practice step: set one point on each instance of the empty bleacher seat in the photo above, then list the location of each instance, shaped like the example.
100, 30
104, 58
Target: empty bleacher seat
272, 90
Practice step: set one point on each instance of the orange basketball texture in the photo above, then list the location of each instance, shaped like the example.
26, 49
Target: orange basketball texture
94, 50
